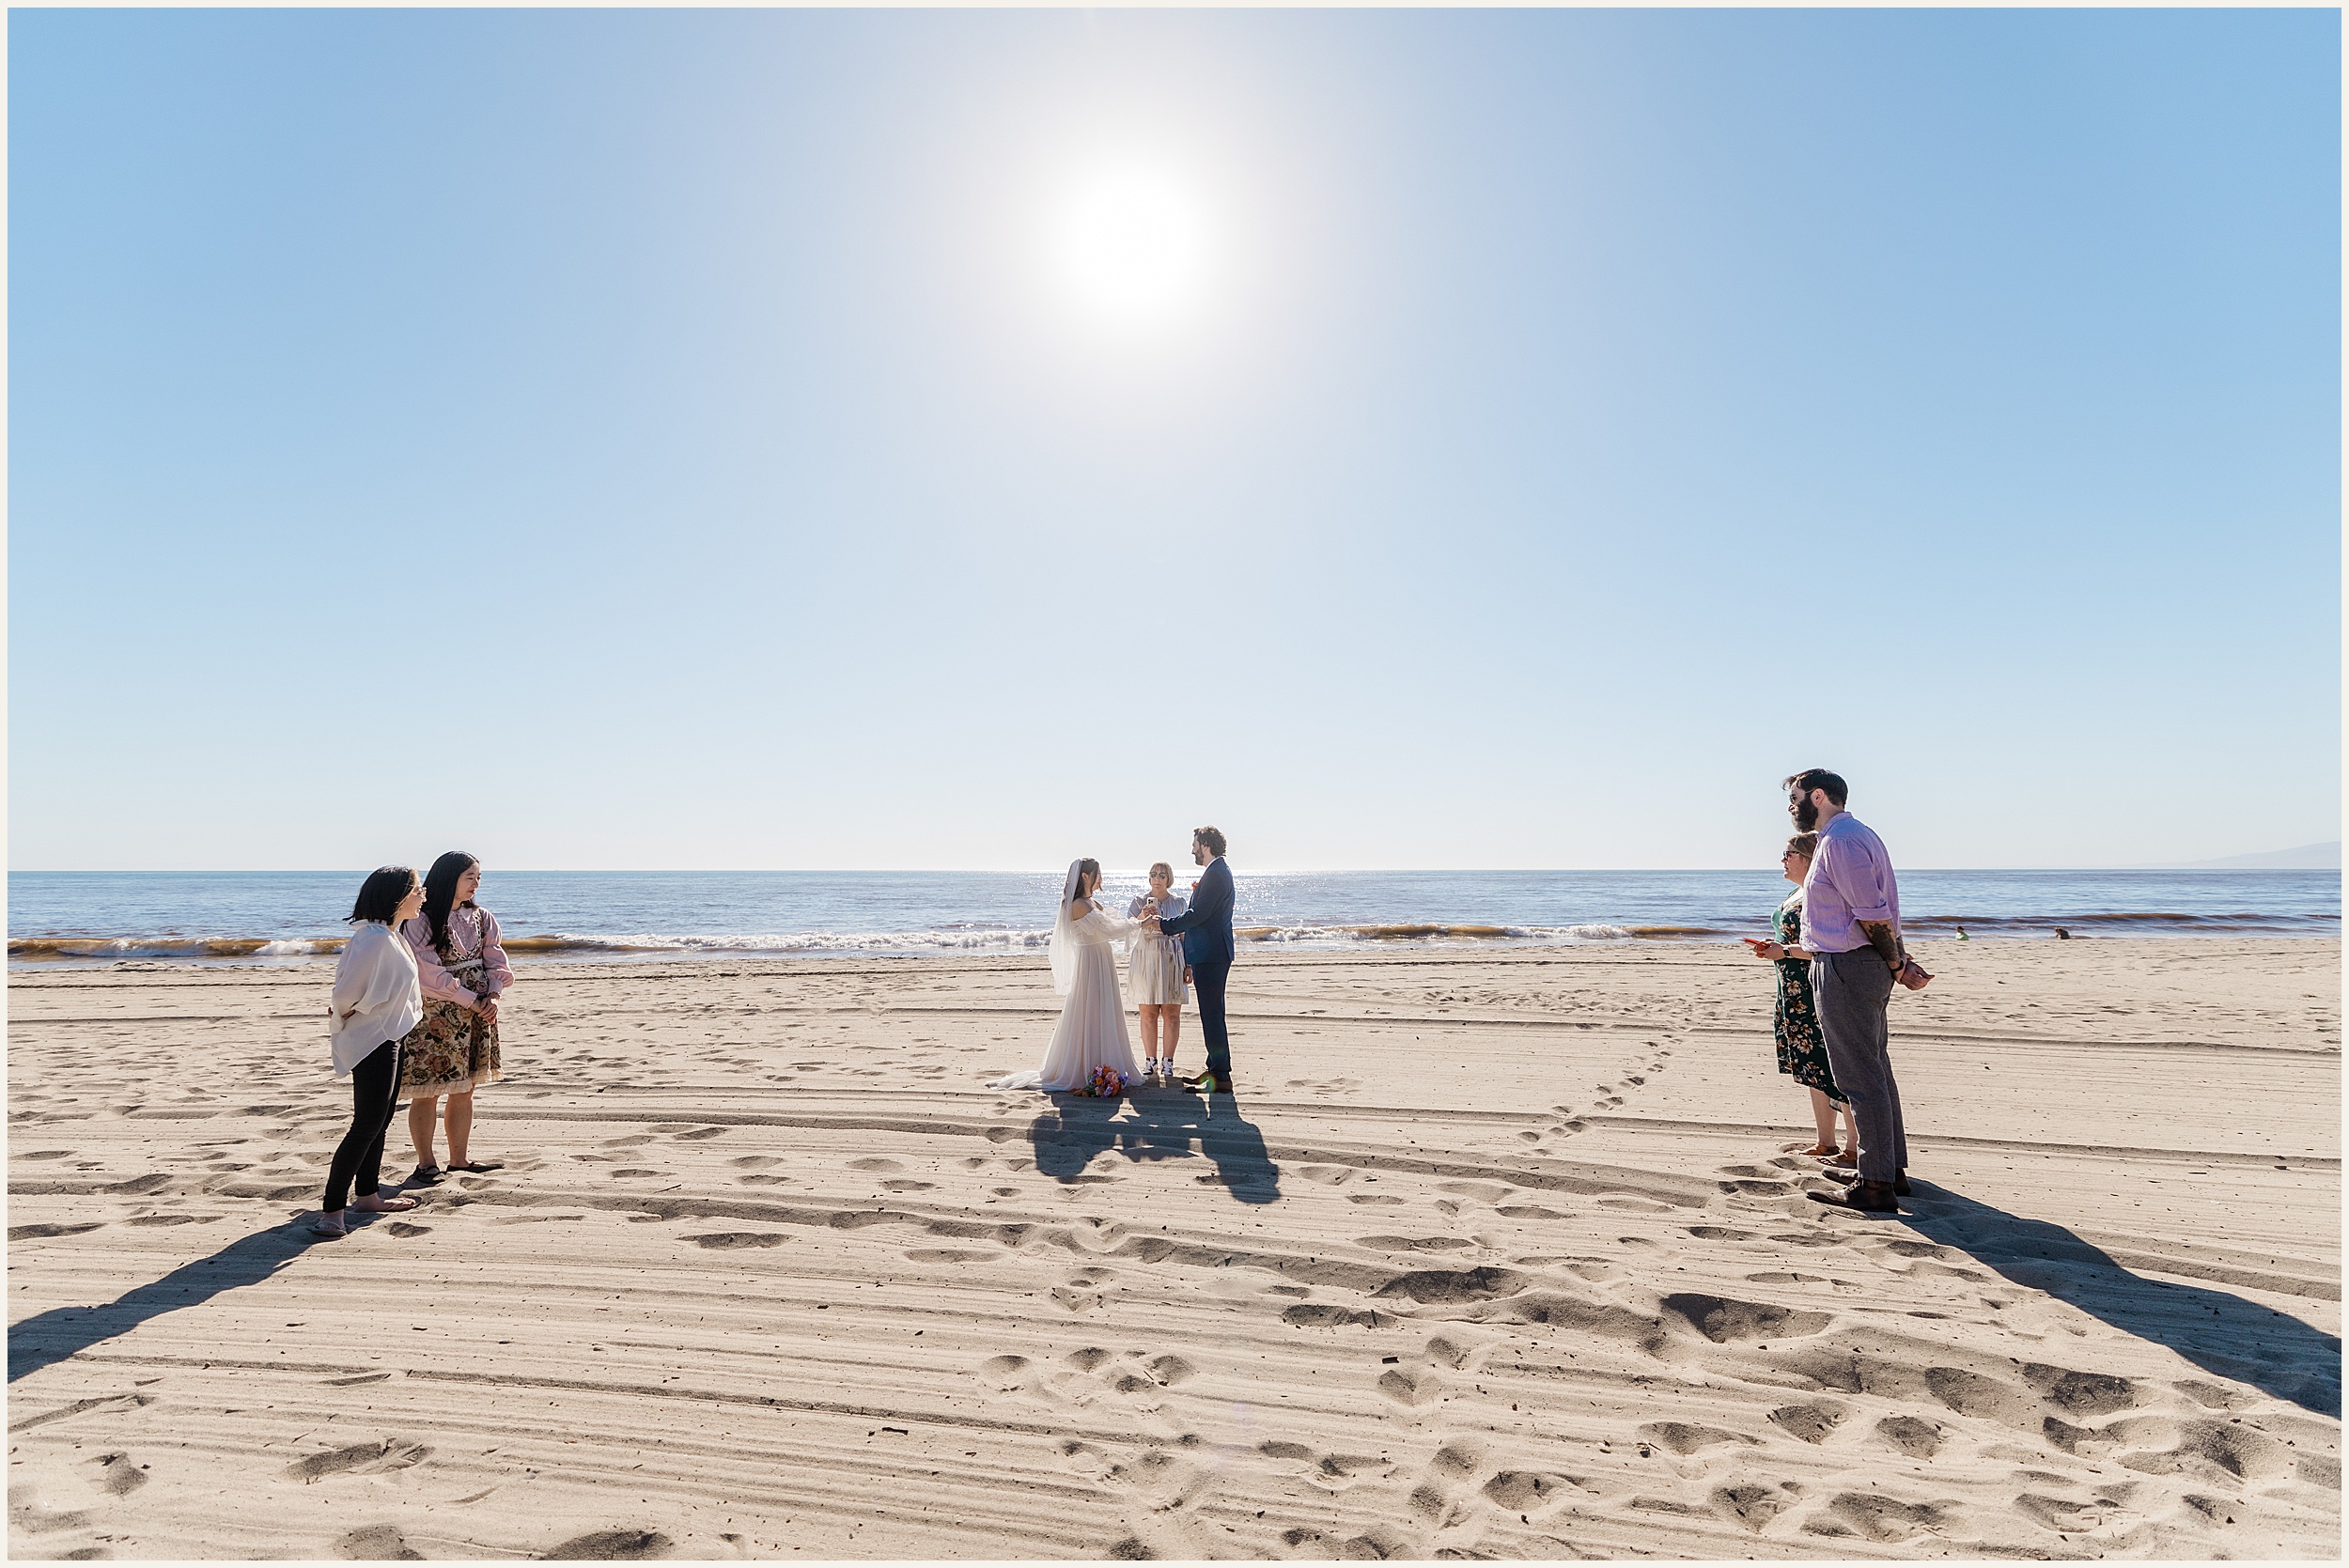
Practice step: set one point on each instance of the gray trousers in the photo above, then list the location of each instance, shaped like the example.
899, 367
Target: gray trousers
1852, 990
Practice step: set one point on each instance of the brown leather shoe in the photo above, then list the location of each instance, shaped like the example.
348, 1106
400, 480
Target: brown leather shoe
1900, 1179
1865, 1196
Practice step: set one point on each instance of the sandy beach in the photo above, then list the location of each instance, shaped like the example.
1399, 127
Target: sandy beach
1494, 1253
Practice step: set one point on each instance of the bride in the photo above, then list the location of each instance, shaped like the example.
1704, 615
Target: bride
1092, 1030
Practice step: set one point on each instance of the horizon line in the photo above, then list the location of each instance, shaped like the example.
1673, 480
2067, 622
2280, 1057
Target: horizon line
1043, 871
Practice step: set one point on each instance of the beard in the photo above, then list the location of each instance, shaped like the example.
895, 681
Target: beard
1805, 817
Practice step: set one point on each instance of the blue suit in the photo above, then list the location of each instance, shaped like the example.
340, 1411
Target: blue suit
1205, 928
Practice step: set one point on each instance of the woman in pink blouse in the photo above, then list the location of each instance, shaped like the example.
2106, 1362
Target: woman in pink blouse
455, 1050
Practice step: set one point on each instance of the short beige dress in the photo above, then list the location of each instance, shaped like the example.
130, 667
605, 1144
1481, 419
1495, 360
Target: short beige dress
1155, 973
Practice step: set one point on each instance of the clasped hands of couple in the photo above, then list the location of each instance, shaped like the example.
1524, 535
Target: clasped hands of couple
1907, 972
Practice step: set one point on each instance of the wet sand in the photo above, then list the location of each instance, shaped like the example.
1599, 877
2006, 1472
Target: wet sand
1495, 1252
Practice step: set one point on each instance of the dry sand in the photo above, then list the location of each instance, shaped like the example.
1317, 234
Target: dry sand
1496, 1255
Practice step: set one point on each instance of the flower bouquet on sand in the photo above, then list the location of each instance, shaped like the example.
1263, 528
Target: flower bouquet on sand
1105, 1081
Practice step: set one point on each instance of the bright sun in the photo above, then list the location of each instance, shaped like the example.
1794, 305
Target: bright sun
1132, 245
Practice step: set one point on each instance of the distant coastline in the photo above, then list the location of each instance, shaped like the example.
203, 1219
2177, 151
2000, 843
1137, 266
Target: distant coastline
2308, 856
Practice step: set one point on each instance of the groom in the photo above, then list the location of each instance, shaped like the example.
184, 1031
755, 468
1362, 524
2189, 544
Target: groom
1205, 928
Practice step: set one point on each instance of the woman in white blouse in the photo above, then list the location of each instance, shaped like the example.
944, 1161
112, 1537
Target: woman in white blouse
377, 1001
1157, 972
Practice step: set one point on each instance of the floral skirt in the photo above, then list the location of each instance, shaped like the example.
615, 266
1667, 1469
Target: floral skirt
1802, 1048
453, 1051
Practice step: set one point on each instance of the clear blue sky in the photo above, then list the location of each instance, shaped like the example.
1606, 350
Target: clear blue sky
651, 439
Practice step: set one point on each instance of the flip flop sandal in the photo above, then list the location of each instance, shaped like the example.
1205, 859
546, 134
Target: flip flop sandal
478, 1165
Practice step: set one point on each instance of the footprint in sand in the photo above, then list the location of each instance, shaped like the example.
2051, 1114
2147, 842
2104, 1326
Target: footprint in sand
1810, 1423
117, 1475
392, 1453
1752, 1506
376, 1543
1885, 1520
732, 1241
1683, 1439
611, 1545
875, 1162
1413, 1388
1322, 1314
1004, 1372
1913, 1436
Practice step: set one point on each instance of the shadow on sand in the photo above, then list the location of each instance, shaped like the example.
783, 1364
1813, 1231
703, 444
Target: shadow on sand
2224, 1334
47, 1338
1157, 1123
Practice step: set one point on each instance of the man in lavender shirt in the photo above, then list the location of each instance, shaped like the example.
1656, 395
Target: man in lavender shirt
1851, 922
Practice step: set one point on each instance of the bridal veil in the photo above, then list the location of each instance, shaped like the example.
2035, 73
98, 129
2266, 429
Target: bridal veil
1063, 935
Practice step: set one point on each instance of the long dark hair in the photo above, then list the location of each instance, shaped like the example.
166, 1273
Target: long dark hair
439, 892
380, 895
1086, 869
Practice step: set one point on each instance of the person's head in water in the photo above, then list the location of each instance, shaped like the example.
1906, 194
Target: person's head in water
1814, 796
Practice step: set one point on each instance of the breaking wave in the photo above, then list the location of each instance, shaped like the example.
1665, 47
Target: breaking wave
981, 938
35, 948
1405, 933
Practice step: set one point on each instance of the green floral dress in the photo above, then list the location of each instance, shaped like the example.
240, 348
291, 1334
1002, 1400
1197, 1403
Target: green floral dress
1801, 1051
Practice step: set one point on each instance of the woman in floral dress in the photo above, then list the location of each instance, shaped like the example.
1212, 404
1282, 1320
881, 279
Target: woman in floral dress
455, 1050
1801, 1049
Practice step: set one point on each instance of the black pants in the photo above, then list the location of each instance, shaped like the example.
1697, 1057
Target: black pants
1208, 975
374, 1095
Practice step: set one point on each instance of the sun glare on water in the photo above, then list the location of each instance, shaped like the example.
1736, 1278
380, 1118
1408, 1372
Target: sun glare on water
1132, 246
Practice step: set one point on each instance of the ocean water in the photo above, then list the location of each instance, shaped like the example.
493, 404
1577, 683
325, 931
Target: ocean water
97, 917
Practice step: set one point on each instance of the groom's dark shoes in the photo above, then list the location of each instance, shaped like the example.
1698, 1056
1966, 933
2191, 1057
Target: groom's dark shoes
1846, 1178
1209, 1082
1866, 1196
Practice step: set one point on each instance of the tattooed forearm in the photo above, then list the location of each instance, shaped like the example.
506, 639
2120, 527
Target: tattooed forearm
1880, 936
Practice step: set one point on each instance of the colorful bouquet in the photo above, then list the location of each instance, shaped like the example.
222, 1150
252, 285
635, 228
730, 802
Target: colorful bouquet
1107, 1082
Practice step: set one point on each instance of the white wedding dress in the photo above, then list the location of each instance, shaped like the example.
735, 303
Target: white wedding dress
1092, 1029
